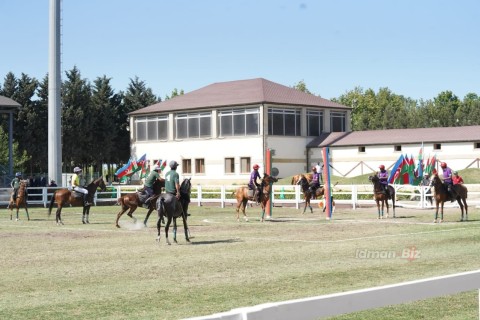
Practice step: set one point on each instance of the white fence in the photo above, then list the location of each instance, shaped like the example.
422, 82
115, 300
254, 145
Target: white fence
357, 300
288, 195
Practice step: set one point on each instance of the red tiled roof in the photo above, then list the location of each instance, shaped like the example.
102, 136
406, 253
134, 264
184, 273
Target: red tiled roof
240, 92
397, 136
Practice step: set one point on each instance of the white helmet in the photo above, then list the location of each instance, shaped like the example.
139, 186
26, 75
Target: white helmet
18, 174
155, 168
77, 169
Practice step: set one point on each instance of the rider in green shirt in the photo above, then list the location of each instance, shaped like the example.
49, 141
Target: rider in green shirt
15, 184
152, 177
172, 180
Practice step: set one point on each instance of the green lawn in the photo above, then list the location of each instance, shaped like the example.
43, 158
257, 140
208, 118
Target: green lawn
97, 271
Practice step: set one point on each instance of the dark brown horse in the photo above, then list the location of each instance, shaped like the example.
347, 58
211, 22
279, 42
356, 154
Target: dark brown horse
242, 195
136, 199
21, 199
307, 192
169, 206
64, 197
380, 196
441, 196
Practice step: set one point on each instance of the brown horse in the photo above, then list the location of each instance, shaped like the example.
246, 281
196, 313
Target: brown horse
21, 199
136, 199
242, 196
380, 196
307, 192
169, 206
441, 196
296, 178
64, 196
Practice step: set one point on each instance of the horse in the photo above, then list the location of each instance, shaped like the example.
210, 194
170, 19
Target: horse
242, 196
296, 178
380, 196
64, 197
441, 196
21, 199
134, 200
168, 205
307, 193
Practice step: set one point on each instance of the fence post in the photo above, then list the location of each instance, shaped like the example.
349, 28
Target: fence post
222, 196
199, 195
354, 196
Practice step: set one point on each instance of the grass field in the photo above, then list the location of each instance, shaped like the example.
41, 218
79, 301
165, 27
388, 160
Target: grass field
97, 271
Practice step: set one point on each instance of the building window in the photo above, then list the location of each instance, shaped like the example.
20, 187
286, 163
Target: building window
283, 122
337, 121
314, 123
245, 165
477, 145
397, 148
229, 165
239, 122
193, 125
187, 166
151, 128
199, 165
437, 146
361, 149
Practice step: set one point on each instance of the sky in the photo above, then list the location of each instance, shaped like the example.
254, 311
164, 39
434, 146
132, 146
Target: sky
415, 48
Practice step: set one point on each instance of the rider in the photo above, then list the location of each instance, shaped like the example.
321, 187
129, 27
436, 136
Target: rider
254, 185
315, 183
383, 177
447, 180
152, 177
457, 179
15, 184
172, 180
77, 174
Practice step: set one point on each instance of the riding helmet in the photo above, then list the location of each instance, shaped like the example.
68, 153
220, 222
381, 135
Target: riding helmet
77, 169
381, 167
443, 165
173, 164
155, 168
18, 174
256, 167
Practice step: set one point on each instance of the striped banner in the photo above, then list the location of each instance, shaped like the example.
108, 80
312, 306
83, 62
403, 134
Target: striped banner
327, 184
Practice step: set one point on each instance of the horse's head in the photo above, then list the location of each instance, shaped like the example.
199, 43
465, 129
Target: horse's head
435, 180
267, 179
303, 182
158, 185
373, 179
186, 186
100, 183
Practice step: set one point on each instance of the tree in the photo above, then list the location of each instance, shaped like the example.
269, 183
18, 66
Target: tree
301, 86
77, 120
174, 94
104, 105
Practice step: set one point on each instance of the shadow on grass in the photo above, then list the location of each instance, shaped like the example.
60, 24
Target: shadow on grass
216, 241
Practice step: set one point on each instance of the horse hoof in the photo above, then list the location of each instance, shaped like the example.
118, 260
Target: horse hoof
84, 222
17, 219
158, 239
435, 221
441, 221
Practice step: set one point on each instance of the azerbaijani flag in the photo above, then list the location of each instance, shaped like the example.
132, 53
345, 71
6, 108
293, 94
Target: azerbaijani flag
125, 170
398, 165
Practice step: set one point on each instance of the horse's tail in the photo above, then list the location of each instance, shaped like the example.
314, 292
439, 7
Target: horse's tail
52, 201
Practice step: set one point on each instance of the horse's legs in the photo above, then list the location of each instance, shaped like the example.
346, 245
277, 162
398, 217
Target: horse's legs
185, 226
242, 205
378, 208
26, 210
386, 204
58, 215
87, 214
441, 211
147, 216
436, 211
175, 230
84, 215
159, 226
169, 221
119, 214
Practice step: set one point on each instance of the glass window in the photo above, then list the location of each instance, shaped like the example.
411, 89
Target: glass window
314, 123
186, 166
151, 128
239, 122
337, 121
284, 122
229, 165
193, 125
245, 165
199, 165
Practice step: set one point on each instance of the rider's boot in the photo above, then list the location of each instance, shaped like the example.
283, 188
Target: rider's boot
147, 202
